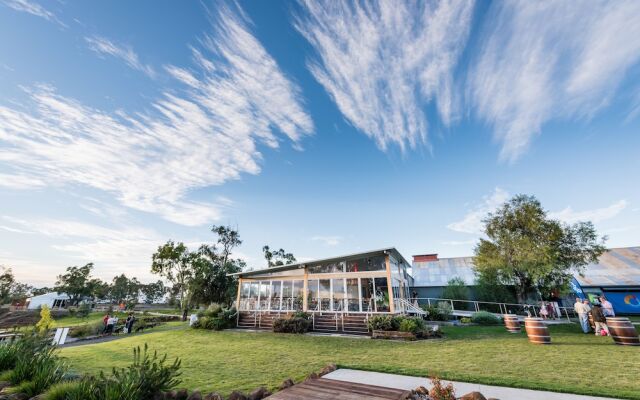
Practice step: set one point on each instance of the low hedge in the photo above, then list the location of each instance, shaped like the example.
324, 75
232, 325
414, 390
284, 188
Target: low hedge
485, 318
215, 318
299, 322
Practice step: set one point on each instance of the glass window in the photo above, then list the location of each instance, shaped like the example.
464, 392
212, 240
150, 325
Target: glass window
382, 295
353, 297
276, 287
298, 290
265, 289
366, 292
377, 263
312, 295
334, 267
338, 294
325, 294
287, 295
244, 293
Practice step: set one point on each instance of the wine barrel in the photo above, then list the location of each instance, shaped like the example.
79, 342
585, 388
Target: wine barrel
511, 323
537, 331
622, 331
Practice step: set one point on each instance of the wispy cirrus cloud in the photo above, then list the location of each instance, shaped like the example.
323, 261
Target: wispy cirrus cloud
33, 8
472, 221
328, 240
543, 60
205, 135
383, 62
17, 181
124, 52
570, 216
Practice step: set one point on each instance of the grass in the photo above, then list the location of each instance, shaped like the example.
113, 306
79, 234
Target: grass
226, 361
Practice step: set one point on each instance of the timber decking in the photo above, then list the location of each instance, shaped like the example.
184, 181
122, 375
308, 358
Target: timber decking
331, 389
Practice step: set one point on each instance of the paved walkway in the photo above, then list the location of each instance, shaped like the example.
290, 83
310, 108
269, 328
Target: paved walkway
411, 382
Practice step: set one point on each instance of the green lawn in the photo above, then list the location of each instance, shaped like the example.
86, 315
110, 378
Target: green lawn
226, 361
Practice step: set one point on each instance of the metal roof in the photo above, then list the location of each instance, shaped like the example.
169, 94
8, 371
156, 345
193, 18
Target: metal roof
369, 253
616, 267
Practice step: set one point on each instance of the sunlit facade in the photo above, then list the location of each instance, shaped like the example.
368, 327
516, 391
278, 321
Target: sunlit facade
372, 282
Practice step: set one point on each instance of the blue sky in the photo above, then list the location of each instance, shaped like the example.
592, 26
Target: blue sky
323, 128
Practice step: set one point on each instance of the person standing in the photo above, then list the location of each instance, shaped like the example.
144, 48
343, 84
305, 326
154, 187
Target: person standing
129, 322
583, 314
105, 321
599, 319
607, 307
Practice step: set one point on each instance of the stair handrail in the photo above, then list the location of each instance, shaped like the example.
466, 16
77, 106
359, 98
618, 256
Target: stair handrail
410, 308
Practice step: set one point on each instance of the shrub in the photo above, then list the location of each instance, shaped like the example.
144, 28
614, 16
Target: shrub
412, 324
213, 310
293, 324
465, 320
85, 330
216, 318
384, 323
69, 390
84, 310
440, 392
46, 321
485, 318
441, 312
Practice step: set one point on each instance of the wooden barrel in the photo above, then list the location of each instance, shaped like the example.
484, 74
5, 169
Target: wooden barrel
511, 323
622, 331
537, 331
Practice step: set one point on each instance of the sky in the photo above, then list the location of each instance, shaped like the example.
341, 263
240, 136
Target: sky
323, 128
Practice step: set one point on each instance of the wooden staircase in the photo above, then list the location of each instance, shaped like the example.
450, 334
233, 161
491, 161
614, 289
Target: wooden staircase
329, 322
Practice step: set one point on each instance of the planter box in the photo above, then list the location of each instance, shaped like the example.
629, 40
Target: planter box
393, 335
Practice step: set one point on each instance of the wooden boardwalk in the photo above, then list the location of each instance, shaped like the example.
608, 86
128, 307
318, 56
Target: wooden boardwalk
331, 389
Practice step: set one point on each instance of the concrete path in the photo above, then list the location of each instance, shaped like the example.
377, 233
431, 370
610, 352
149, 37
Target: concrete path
411, 382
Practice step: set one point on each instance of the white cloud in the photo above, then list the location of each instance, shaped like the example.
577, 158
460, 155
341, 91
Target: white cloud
20, 182
472, 221
104, 46
382, 62
204, 136
328, 240
125, 248
570, 216
544, 60
33, 8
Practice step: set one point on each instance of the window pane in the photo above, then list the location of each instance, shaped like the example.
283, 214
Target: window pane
298, 290
366, 289
275, 295
333, 267
353, 300
312, 295
367, 264
338, 294
287, 295
382, 295
325, 294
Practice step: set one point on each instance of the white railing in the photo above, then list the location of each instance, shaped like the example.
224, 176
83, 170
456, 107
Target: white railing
531, 310
408, 308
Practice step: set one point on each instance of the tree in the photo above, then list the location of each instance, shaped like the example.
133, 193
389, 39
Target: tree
456, 289
7, 282
46, 321
277, 257
532, 252
153, 292
174, 262
228, 238
212, 283
124, 290
42, 290
77, 283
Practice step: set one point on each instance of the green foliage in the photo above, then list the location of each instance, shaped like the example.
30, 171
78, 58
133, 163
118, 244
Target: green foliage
384, 322
465, 320
277, 257
46, 321
153, 292
440, 312
77, 283
124, 290
485, 318
530, 251
456, 289
412, 324
67, 390
175, 263
293, 324
490, 288
85, 330
215, 318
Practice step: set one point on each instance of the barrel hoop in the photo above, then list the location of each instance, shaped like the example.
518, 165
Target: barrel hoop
625, 337
543, 336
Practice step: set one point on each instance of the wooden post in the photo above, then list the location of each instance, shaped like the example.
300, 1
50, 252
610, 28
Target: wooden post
239, 292
389, 284
305, 289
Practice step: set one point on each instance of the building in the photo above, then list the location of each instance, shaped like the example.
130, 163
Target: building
616, 275
51, 299
354, 285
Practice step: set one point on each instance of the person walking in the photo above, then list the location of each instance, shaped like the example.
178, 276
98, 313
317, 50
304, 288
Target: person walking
583, 314
599, 319
607, 307
129, 322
